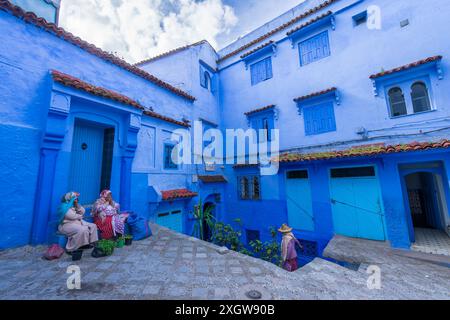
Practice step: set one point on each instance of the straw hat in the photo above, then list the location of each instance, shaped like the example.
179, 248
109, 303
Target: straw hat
285, 228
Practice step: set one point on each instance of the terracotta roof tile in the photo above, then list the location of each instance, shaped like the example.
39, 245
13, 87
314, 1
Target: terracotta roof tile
362, 151
169, 195
168, 53
406, 67
304, 25
76, 83
151, 113
259, 110
212, 178
315, 94
278, 29
257, 49
31, 18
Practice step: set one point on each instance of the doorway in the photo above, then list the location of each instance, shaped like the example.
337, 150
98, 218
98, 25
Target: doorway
91, 160
208, 208
424, 198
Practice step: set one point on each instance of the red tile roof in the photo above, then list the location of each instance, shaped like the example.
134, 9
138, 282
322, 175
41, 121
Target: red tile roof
169, 195
78, 84
406, 67
304, 25
257, 49
363, 151
259, 110
168, 53
278, 29
212, 178
315, 94
52, 28
183, 123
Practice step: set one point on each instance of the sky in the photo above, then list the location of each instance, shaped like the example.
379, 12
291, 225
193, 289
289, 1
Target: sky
140, 29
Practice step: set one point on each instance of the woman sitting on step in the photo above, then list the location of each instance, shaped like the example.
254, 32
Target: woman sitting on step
80, 234
107, 216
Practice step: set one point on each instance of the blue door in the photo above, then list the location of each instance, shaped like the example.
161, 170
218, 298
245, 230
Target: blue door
171, 219
357, 204
299, 203
86, 163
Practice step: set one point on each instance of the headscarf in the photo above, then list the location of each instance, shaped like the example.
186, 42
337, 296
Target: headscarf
66, 203
287, 237
101, 201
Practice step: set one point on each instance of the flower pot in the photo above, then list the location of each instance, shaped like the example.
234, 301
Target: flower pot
120, 243
128, 241
76, 255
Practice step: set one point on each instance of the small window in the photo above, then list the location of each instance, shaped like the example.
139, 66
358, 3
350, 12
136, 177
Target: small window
360, 18
207, 80
315, 48
256, 194
319, 119
397, 102
261, 71
420, 98
353, 172
298, 174
168, 161
249, 188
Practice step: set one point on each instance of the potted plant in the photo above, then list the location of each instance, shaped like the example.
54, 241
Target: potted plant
128, 240
120, 242
106, 246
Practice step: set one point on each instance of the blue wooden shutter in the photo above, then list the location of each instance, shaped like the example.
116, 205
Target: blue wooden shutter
202, 77
315, 48
319, 119
268, 66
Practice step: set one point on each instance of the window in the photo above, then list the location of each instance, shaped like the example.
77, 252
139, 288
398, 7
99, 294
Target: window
420, 98
249, 188
261, 71
319, 118
168, 161
315, 48
359, 19
397, 102
353, 172
263, 121
206, 77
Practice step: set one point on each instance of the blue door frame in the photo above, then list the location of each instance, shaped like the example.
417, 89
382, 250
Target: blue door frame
406, 172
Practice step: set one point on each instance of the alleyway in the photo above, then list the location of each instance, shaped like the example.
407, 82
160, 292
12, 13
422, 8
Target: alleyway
174, 266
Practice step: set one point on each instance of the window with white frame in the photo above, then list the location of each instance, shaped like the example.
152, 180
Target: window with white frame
409, 97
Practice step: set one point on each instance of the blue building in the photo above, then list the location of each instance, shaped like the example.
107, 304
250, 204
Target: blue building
357, 88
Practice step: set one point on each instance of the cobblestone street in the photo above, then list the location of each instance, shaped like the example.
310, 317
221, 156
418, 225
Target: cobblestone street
174, 266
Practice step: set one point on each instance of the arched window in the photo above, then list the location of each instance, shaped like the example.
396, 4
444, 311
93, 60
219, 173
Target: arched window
420, 98
397, 102
207, 81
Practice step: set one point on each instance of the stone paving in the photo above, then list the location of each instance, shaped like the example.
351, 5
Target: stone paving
174, 266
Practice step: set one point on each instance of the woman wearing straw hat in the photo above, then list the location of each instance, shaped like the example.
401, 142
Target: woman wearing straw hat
288, 252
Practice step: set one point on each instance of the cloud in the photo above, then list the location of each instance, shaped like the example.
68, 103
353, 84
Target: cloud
138, 29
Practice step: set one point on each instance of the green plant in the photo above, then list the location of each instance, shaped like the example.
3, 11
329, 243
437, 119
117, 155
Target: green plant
107, 246
128, 237
203, 218
226, 235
